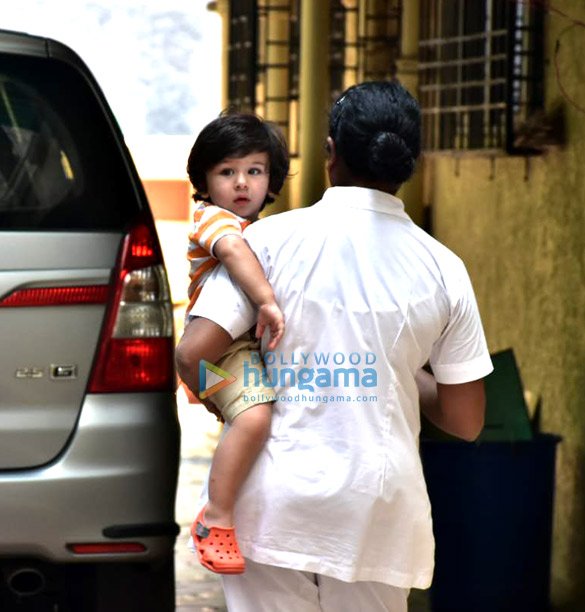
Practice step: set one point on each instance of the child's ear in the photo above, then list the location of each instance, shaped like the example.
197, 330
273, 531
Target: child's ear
202, 196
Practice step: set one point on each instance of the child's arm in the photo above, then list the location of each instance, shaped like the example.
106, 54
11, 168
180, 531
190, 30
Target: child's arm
238, 258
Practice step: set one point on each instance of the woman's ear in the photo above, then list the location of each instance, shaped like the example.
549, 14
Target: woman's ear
331, 150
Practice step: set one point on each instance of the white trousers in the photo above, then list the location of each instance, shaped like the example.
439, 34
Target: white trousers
266, 588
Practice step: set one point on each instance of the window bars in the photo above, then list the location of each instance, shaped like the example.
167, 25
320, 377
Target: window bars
264, 57
378, 39
274, 25
242, 55
337, 47
480, 69
364, 41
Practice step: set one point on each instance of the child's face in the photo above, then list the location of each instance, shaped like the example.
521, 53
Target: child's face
240, 184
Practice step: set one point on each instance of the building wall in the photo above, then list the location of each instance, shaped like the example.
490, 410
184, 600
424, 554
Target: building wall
520, 225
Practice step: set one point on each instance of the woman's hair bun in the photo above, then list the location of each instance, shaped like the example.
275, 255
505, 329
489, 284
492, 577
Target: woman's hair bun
390, 157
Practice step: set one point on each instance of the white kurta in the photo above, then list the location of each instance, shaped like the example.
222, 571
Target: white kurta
339, 489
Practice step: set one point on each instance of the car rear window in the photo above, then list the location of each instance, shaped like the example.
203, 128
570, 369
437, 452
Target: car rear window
61, 167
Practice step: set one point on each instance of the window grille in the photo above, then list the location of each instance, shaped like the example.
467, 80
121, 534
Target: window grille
480, 69
337, 63
379, 39
275, 60
363, 44
243, 55
294, 77
295, 49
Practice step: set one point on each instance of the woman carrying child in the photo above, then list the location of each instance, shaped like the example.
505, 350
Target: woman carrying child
334, 515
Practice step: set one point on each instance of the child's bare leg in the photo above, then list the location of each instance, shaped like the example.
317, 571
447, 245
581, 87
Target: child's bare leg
233, 460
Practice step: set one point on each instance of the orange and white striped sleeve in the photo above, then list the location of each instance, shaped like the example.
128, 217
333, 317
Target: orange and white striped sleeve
210, 224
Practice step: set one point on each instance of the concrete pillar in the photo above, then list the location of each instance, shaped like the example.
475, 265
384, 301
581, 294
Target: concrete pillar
276, 93
407, 73
223, 8
314, 97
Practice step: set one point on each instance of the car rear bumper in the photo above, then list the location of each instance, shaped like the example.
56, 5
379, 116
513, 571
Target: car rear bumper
115, 481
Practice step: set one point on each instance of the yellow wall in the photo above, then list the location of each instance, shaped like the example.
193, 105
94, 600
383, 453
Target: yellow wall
522, 237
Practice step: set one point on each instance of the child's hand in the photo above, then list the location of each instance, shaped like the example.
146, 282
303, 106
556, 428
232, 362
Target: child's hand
270, 315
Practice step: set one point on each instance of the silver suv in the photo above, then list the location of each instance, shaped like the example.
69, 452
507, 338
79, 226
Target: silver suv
89, 437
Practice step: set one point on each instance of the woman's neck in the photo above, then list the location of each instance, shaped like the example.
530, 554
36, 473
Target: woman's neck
367, 184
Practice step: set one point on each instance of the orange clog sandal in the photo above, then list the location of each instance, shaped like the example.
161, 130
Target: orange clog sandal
217, 547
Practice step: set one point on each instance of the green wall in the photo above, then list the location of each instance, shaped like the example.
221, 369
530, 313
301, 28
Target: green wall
521, 231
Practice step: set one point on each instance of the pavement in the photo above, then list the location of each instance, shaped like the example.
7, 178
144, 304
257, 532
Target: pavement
197, 589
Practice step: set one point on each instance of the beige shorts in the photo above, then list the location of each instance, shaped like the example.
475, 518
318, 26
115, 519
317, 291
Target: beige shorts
243, 361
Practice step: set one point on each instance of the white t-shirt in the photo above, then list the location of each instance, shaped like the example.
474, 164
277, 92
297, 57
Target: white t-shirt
368, 298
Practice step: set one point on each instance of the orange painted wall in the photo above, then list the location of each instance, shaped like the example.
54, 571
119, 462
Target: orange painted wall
170, 199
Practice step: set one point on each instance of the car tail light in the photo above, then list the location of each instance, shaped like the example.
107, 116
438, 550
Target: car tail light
136, 346
56, 296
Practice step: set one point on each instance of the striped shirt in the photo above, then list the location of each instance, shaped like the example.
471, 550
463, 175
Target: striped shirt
210, 224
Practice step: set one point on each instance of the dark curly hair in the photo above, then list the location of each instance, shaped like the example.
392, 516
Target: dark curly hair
376, 128
237, 135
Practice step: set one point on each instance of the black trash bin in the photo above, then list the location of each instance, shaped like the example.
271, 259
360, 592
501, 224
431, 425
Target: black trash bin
492, 505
